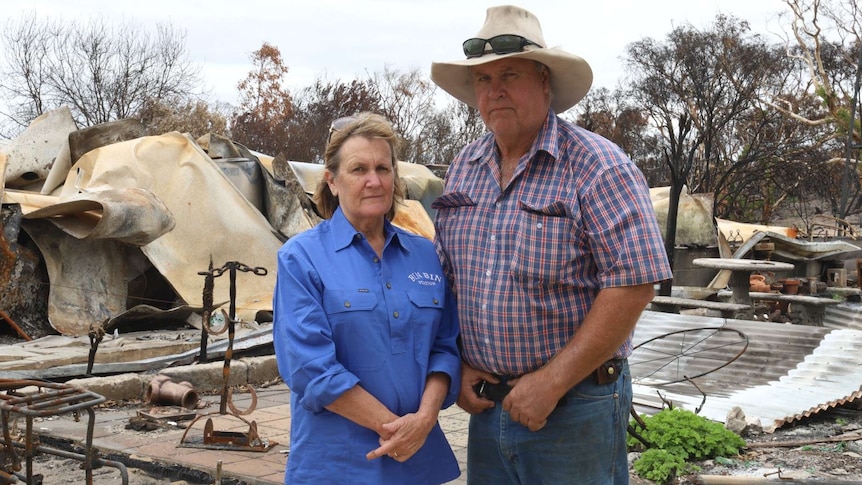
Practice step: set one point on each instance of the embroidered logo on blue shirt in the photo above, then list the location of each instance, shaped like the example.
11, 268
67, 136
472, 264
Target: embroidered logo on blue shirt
425, 279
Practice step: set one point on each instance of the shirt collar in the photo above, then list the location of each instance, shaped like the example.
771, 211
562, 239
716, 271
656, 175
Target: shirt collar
345, 234
546, 141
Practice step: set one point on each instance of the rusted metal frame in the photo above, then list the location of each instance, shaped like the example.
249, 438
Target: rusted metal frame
61, 399
209, 285
685, 352
7, 478
249, 441
96, 335
231, 267
30, 452
12, 323
227, 440
14, 462
99, 462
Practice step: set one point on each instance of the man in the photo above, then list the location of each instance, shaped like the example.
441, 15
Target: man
549, 237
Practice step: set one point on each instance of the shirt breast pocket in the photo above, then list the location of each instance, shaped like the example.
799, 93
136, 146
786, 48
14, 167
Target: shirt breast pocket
546, 244
426, 311
448, 205
360, 335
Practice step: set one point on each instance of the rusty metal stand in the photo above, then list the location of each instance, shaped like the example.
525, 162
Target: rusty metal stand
52, 399
224, 440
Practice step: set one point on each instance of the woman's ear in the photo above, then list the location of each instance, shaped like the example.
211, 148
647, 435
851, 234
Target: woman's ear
330, 182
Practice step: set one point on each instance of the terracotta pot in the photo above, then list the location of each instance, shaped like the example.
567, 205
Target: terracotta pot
791, 286
757, 282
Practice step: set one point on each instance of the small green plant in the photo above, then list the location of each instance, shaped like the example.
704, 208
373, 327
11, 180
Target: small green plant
840, 421
661, 466
726, 461
682, 436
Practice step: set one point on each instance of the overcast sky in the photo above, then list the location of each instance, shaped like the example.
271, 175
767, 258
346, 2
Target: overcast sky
342, 39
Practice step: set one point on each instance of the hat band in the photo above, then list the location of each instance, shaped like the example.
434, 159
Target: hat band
500, 44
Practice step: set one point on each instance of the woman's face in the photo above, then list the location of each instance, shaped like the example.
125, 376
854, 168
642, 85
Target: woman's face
365, 181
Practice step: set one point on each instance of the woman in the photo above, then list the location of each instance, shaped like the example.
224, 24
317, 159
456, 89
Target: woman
365, 328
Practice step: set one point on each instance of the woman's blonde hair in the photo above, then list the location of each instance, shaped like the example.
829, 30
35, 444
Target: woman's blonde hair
368, 125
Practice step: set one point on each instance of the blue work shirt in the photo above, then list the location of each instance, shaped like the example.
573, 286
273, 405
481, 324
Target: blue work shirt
344, 317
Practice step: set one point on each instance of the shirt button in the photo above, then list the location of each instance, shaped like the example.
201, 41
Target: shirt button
487, 341
346, 304
484, 306
388, 286
376, 259
493, 237
435, 301
488, 273
395, 314
539, 225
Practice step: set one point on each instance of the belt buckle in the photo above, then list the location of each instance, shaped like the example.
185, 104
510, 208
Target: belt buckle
491, 391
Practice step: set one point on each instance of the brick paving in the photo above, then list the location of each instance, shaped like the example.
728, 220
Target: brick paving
164, 445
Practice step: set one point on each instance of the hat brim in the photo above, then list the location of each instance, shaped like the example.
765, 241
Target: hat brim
571, 75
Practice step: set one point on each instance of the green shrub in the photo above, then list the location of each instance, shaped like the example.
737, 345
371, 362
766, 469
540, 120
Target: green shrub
661, 466
677, 436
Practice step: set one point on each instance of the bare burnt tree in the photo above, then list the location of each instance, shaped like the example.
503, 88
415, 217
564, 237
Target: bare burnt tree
695, 88
610, 114
100, 71
451, 129
825, 38
195, 117
316, 107
406, 100
260, 120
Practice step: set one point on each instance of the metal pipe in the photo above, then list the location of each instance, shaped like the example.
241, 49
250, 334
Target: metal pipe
162, 390
98, 462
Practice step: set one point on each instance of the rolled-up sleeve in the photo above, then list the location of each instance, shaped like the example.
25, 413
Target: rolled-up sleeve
445, 356
302, 335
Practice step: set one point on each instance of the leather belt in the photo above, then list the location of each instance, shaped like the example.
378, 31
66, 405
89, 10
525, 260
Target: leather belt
606, 373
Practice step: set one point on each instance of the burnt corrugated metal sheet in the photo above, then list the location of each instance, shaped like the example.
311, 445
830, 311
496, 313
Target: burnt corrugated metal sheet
801, 250
845, 315
787, 372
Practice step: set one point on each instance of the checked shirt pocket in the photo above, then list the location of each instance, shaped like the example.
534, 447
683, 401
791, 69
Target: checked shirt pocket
544, 250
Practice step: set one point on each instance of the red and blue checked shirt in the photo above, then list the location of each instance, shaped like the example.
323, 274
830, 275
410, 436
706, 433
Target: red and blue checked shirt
528, 260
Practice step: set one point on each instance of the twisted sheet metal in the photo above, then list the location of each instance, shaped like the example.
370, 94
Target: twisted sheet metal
787, 373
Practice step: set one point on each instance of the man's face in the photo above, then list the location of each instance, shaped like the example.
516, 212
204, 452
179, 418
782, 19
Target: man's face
513, 96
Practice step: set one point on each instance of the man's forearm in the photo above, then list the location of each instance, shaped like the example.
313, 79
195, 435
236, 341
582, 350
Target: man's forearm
610, 321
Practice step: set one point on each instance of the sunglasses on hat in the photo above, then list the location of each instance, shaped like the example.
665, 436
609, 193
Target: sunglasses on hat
500, 44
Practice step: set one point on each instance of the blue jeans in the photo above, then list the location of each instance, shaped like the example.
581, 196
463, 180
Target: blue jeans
584, 441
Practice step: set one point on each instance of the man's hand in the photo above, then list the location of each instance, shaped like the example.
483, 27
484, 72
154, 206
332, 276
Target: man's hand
467, 398
530, 401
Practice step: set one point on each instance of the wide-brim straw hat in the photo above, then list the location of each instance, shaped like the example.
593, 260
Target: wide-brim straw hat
571, 76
